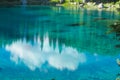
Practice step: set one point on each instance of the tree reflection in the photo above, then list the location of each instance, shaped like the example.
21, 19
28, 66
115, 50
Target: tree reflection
34, 57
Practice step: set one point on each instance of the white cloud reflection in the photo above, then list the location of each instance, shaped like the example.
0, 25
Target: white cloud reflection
34, 57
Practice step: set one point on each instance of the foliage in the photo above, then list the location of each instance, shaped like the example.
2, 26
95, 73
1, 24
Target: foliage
78, 0
118, 2
54, 0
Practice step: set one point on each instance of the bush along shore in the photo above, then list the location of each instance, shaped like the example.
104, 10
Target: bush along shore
94, 5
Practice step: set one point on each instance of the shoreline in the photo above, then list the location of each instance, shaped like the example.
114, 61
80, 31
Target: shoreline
88, 5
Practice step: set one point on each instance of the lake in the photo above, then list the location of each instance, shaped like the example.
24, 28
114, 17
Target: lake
57, 43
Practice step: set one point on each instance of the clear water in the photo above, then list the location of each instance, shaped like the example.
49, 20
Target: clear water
47, 43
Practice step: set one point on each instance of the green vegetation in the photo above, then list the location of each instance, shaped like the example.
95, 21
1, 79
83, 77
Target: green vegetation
89, 4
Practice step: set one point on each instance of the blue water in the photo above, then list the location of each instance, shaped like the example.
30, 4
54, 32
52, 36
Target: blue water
56, 43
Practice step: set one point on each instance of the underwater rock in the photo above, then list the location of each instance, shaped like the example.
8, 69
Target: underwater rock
118, 78
100, 6
52, 79
76, 24
118, 61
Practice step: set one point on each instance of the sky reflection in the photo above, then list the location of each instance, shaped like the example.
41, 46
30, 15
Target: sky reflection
33, 56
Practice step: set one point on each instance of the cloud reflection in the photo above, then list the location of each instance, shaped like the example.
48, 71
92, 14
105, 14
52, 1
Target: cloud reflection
34, 57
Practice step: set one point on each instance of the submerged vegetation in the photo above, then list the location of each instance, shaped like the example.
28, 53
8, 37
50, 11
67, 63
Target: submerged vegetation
115, 27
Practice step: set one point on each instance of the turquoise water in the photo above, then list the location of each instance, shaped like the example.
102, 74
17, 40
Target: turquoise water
56, 43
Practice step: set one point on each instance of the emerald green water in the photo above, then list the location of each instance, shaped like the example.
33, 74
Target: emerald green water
46, 43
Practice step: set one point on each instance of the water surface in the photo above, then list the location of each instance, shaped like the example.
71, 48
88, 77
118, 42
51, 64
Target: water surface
46, 43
